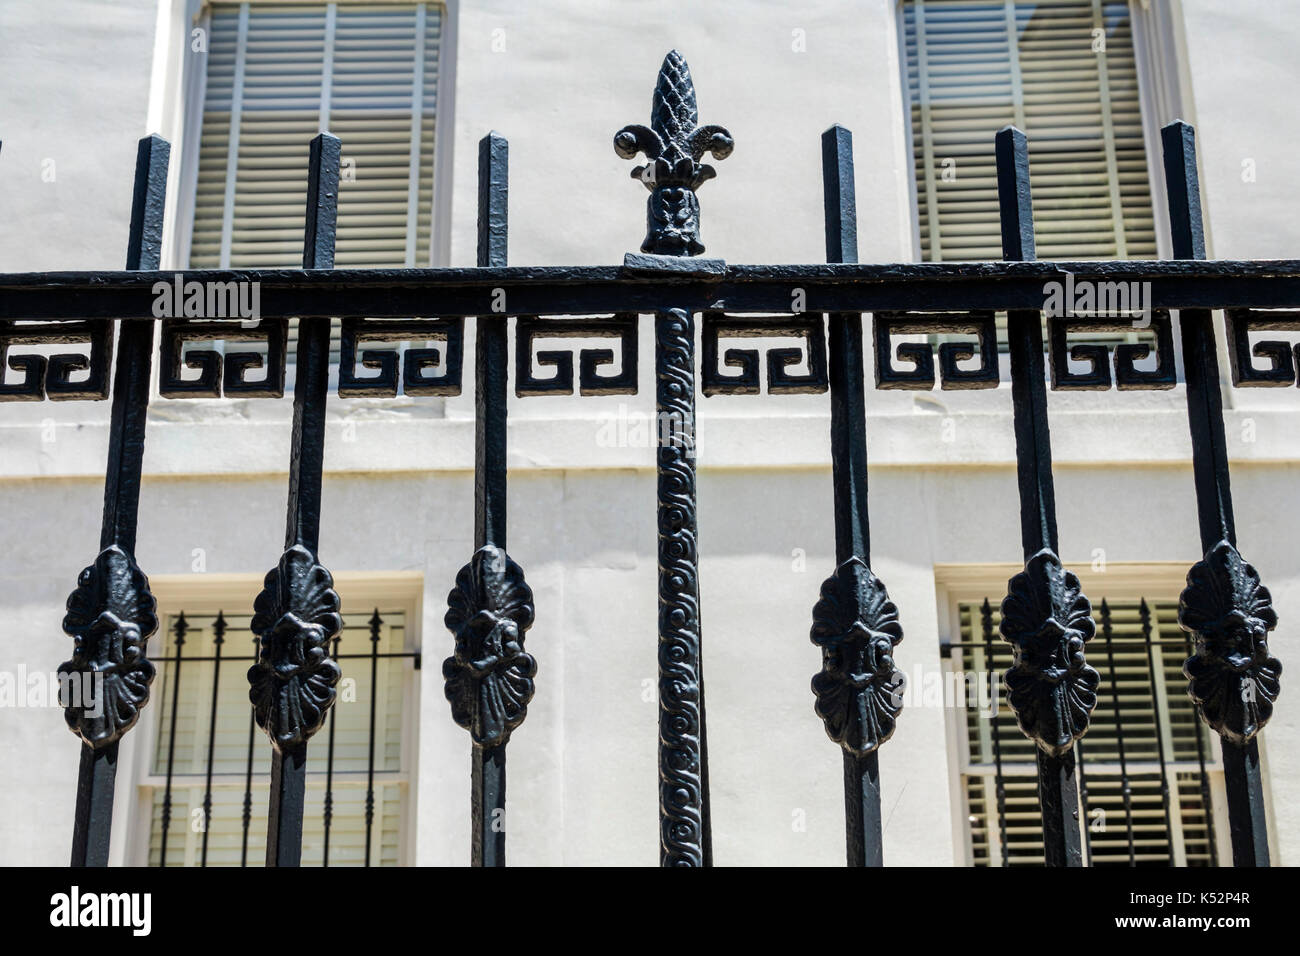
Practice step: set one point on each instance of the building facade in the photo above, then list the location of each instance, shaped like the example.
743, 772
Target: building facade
239, 88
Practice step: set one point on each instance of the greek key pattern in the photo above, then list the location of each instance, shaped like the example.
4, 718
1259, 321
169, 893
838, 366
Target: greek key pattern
1098, 356
1282, 356
222, 375
921, 354
780, 379
51, 376
621, 326
425, 370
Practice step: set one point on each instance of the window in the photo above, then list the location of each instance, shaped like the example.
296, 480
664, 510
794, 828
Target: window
1163, 744
1064, 71
278, 74
184, 745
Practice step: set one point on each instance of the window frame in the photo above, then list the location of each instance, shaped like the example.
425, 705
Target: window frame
208, 593
1127, 581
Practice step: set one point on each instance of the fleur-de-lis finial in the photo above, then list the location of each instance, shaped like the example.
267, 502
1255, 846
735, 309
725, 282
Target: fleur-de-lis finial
673, 144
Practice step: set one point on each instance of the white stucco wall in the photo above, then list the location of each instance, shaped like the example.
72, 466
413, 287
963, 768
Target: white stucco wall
1243, 77
399, 496
74, 81
575, 72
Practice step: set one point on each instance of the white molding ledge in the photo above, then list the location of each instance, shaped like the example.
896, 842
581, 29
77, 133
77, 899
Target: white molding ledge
230, 439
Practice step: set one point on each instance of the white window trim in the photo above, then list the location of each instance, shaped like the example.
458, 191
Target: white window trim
1164, 92
133, 808
958, 584
176, 97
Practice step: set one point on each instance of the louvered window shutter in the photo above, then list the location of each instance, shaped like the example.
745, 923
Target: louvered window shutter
278, 74
1064, 72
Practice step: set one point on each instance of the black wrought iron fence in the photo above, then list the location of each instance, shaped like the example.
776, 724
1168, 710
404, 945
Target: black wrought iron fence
1045, 617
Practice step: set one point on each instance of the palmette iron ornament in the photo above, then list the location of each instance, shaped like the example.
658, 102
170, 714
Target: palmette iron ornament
111, 615
859, 690
489, 677
1047, 619
673, 144
295, 617
1234, 680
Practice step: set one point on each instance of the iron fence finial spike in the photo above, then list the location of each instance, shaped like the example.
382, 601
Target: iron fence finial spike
673, 144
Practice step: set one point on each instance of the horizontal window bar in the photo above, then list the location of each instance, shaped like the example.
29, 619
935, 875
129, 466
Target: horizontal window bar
229, 660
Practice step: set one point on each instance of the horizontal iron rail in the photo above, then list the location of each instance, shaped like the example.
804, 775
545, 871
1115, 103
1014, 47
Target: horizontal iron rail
562, 290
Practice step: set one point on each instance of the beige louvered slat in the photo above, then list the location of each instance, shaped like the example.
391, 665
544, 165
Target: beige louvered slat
225, 839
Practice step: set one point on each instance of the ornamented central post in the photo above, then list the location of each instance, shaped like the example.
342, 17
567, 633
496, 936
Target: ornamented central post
674, 144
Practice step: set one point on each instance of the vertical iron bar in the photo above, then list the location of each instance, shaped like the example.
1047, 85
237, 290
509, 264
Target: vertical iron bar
311, 384
134, 354
1144, 614
682, 781
247, 817
1200, 361
986, 620
488, 763
491, 348
97, 774
96, 778
1206, 808
218, 638
307, 459
329, 777
1057, 787
375, 623
706, 819
849, 468
1059, 798
1245, 787
491, 583
672, 212
487, 797
1210, 468
862, 809
284, 815
1025, 344
1085, 824
181, 628
848, 404
1125, 783
673, 145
